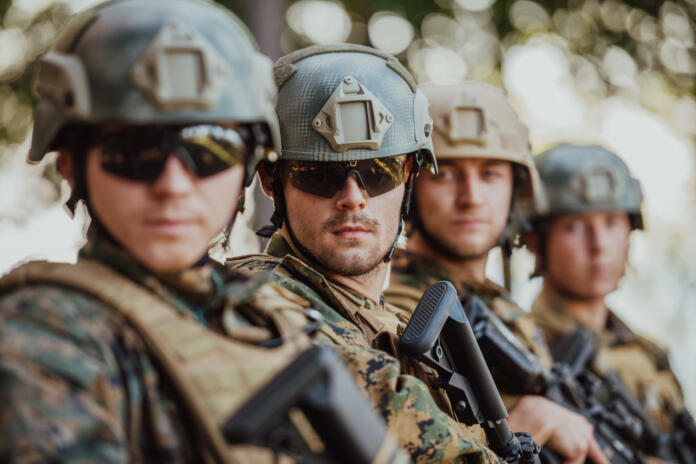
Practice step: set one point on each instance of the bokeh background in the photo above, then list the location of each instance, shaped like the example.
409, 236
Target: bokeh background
616, 73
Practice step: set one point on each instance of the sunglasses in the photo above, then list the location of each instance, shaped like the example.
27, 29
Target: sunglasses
376, 176
141, 153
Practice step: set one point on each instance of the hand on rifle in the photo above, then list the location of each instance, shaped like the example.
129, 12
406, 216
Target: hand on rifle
563, 431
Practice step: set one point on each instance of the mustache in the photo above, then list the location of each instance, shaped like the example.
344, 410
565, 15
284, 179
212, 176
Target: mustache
360, 219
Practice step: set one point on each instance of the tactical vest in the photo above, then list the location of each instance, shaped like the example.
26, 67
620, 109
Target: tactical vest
214, 375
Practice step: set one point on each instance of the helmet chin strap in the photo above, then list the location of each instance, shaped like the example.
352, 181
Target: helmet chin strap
238, 210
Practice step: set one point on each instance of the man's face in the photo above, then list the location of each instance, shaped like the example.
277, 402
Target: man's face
169, 223
586, 253
465, 206
350, 233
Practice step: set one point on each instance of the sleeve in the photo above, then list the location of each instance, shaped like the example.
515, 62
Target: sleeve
59, 401
412, 415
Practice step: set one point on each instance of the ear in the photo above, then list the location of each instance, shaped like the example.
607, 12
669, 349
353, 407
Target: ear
66, 165
266, 180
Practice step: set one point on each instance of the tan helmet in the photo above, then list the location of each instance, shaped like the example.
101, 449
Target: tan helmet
475, 120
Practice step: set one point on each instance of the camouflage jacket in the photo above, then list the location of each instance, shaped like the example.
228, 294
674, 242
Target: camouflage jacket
642, 365
79, 383
412, 273
76, 379
405, 402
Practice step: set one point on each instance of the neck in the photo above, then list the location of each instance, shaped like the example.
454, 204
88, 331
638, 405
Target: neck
471, 269
369, 285
590, 312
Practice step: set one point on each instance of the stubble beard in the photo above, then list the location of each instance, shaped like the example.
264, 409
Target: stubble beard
352, 262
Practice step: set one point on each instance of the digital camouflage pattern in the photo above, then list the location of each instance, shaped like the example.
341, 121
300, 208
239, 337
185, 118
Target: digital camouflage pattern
642, 365
405, 402
76, 380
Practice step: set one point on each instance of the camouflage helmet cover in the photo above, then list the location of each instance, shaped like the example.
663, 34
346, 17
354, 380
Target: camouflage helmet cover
585, 178
475, 120
348, 102
153, 62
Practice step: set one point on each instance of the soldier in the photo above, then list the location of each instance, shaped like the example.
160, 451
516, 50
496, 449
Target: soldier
355, 132
581, 243
139, 352
485, 186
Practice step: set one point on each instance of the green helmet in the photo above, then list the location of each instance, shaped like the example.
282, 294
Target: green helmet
584, 178
349, 102
154, 62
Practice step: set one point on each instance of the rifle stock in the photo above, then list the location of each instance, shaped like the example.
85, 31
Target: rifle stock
340, 426
439, 334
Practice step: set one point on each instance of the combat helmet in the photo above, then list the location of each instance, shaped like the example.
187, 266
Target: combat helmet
346, 102
588, 178
475, 120
154, 62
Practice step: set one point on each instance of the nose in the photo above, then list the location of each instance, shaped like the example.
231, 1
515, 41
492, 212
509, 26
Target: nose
468, 190
175, 179
599, 238
351, 196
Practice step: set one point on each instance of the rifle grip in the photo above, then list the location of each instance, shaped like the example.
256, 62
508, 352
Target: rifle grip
425, 325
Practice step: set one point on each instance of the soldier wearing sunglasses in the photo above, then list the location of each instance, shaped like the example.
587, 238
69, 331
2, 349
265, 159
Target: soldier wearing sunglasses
355, 133
139, 352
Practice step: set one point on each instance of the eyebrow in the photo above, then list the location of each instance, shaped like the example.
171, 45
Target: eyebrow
494, 163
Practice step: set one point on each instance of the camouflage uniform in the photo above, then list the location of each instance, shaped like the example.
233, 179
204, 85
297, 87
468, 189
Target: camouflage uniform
78, 382
412, 273
642, 365
405, 402
581, 179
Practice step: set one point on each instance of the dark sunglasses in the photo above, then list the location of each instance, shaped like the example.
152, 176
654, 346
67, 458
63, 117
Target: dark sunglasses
140, 153
376, 176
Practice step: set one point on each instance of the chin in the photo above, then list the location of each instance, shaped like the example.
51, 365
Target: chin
171, 259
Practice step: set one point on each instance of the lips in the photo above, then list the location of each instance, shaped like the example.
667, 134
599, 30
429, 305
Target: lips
351, 231
468, 222
169, 226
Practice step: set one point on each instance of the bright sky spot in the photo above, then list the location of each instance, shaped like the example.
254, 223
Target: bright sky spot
539, 76
444, 65
319, 21
390, 32
660, 159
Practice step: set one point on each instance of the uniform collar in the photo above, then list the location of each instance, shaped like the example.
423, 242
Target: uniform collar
421, 271
550, 310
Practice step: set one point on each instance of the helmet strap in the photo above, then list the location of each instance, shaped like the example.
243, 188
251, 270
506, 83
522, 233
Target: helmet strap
238, 210
406, 202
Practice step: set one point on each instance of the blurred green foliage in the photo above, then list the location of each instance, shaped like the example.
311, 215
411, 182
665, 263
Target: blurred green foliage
20, 83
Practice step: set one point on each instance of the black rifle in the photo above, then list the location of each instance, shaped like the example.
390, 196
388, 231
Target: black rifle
313, 412
440, 336
622, 428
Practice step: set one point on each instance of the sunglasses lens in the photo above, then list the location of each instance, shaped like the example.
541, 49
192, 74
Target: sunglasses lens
382, 175
378, 176
140, 154
321, 179
213, 149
